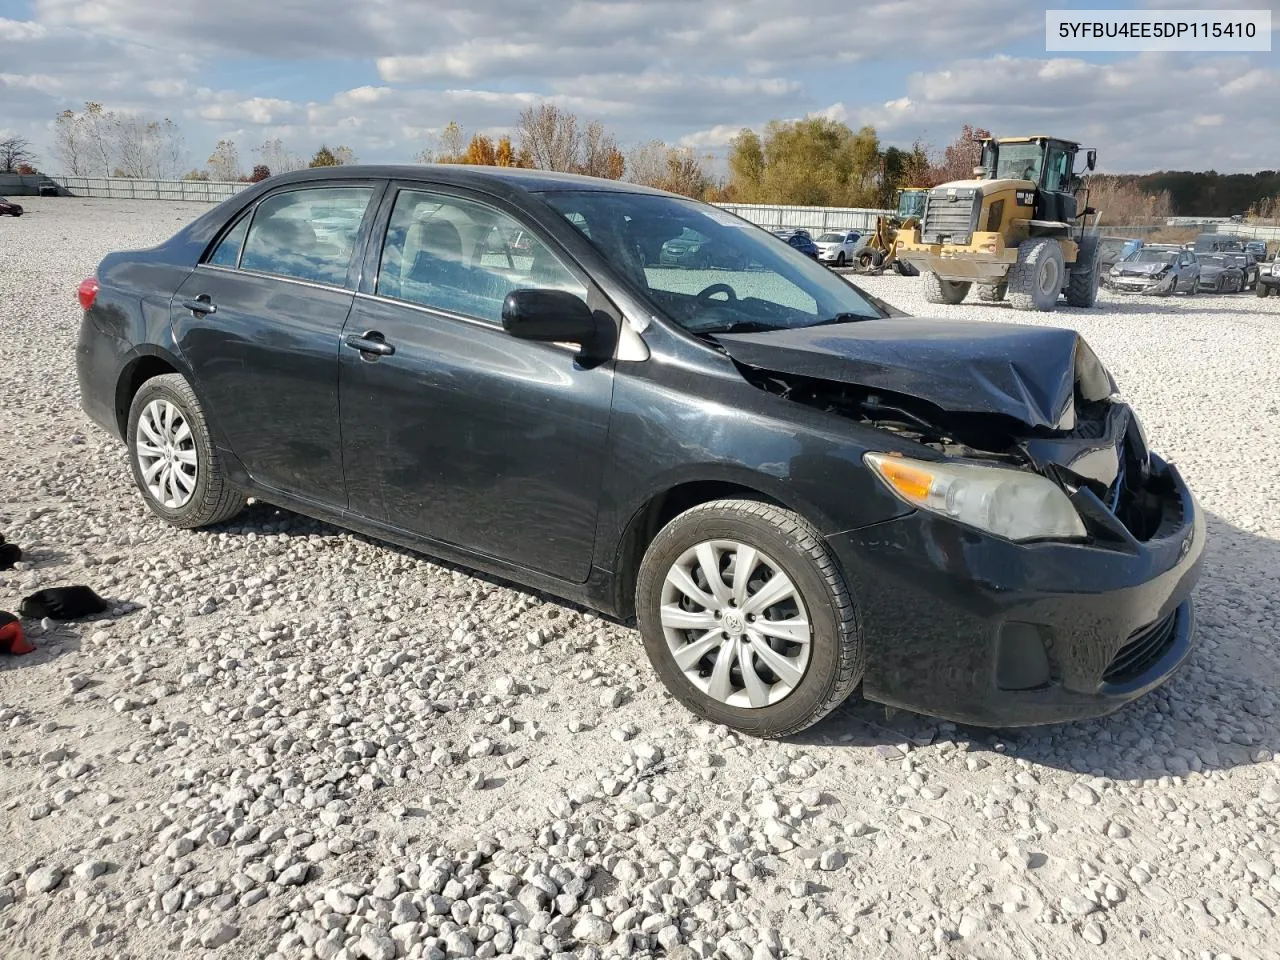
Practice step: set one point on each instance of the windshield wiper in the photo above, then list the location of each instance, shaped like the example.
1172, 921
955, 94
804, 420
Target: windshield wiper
742, 326
844, 318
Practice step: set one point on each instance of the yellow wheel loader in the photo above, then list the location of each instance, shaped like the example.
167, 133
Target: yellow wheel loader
1014, 230
881, 249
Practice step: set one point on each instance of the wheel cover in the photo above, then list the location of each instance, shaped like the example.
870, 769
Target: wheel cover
1049, 279
166, 452
735, 624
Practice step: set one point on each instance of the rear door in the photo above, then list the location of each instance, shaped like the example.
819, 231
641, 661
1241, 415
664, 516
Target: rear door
465, 434
259, 323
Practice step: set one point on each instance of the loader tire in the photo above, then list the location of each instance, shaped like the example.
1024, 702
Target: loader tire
1035, 281
991, 292
937, 290
1082, 285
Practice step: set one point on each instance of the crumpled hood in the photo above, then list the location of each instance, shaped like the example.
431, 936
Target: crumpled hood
1031, 374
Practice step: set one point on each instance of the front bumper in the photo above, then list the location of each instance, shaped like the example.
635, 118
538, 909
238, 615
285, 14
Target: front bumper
944, 608
985, 259
1140, 284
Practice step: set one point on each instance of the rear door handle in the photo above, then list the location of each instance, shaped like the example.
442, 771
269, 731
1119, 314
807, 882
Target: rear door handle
371, 344
200, 305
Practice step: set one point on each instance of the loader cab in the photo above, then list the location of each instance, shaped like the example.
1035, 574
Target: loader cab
911, 203
1047, 162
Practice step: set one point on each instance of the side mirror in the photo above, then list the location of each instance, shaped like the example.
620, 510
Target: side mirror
553, 316
1091, 159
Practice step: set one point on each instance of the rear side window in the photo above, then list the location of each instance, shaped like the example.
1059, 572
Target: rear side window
306, 234
227, 253
463, 257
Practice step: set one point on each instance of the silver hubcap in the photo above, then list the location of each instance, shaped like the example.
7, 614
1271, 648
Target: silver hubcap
166, 454
735, 624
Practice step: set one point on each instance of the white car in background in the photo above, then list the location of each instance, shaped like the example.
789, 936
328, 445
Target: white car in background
838, 247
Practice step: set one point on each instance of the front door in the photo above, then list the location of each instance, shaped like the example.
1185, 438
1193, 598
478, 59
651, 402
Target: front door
259, 323
464, 434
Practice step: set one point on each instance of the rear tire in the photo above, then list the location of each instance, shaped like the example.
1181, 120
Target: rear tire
1262, 290
1035, 281
208, 498
1082, 285
937, 290
991, 292
777, 542
840, 259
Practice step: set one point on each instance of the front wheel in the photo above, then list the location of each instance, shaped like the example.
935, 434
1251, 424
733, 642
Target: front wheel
1262, 290
840, 259
174, 461
937, 290
746, 618
1035, 281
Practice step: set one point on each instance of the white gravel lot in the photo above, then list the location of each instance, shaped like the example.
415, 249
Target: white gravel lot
289, 741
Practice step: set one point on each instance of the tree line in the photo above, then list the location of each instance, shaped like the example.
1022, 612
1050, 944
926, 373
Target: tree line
815, 161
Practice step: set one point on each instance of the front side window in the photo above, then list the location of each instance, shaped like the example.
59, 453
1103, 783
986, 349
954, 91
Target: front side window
706, 269
463, 257
306, 234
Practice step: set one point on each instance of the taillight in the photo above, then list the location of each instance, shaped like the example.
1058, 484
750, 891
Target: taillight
87, 292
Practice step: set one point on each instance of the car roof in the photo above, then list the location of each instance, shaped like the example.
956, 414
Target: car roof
469, 175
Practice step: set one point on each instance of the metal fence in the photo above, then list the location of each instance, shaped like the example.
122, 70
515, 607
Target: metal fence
814, 219
126, 188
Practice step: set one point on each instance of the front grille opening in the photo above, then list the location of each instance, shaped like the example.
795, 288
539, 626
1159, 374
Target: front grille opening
1144, 648
948, 220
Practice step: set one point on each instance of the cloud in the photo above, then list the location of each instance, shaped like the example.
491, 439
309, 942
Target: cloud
385, 75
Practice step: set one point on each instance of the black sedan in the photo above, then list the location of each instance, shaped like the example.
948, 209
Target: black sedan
801, 240
1221, 272
792, 487
9, 209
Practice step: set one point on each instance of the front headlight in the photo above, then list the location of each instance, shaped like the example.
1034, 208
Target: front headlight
1115, 271
1009, 503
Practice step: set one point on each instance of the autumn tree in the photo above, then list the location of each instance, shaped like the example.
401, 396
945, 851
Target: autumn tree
260, 172
960, 157
550, 136
15, 152
598, 153
344, 155
224, 162
1121, 202
816, 161
746, 165
481, 151
506, 155
323, 158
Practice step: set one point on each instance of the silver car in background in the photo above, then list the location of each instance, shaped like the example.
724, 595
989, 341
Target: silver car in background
1161, 271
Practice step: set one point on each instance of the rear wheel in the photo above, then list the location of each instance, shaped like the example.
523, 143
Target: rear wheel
869, 258
991, 293
840, 259
746, 618
905, 269
1035, 281
174, 461
937, 290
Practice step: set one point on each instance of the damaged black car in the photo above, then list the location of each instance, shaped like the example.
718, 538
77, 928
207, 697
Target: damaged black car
794, 489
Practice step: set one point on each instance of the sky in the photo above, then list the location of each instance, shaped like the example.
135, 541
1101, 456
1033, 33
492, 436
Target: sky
384, 76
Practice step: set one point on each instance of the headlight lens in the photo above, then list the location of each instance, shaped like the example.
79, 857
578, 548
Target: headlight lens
1009, 503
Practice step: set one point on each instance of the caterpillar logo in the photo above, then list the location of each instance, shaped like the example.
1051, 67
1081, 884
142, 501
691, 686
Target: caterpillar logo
1025, 198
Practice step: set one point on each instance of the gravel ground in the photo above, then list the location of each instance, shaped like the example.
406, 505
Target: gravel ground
289, 741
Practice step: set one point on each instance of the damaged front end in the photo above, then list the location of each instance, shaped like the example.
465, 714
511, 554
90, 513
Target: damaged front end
1032, 399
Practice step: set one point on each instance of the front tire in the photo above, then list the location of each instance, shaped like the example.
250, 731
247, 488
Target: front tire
1082, 284
937, 290
1035, 281
840, 259
746, 618
1262, 290
175, 464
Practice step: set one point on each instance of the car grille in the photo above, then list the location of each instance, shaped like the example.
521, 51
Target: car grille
1144, 648
950, 218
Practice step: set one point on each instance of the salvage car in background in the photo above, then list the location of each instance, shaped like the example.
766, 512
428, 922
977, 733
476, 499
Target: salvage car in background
1248, 264
1158, 270
1111, 250
1269, 279
791, 486
9, 209
839, 247
801, 240
1220, 273
692, 249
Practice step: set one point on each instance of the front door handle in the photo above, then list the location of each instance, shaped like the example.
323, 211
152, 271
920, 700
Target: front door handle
370, 344
200, 305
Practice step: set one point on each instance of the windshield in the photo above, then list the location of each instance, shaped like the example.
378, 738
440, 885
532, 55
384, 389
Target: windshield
1019, 161
741, 279
1215, 259
1147, 255
1112, 246
831, 238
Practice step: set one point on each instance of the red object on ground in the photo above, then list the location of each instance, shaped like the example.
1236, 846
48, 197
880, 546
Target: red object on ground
87, 292
11, 636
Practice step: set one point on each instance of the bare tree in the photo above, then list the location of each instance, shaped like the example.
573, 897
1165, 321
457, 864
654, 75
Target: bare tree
599, 153
550, 136
68, 144
15, 152
647, 163
344, 155
686, 173
224, 162
279, 158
